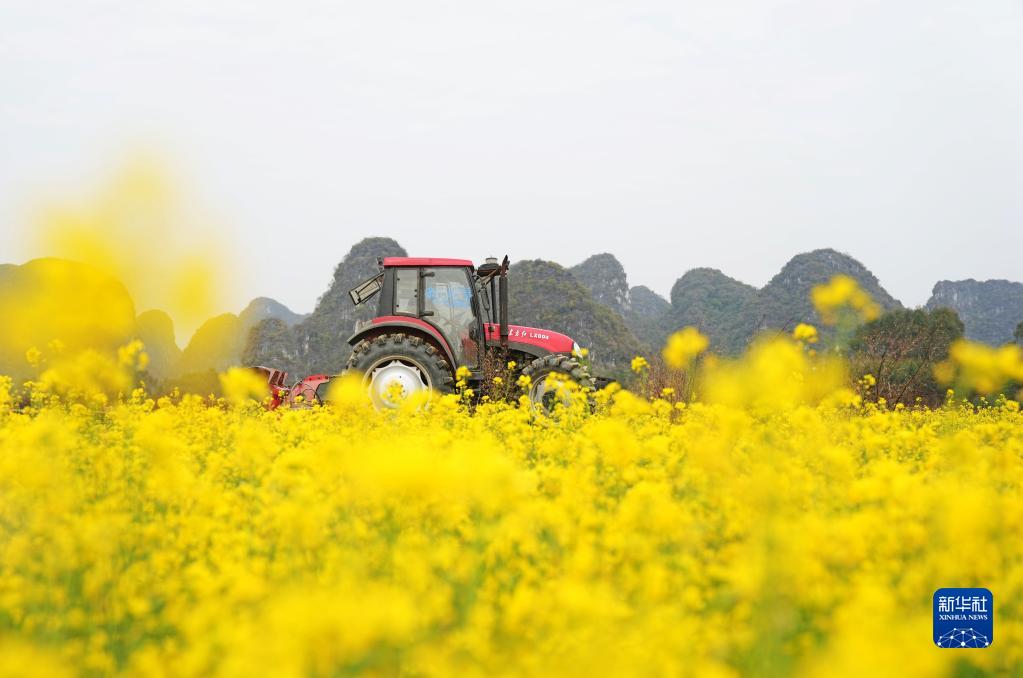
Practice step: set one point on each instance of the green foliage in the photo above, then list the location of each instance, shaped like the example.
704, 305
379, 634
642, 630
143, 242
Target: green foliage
1018, 333
900, 350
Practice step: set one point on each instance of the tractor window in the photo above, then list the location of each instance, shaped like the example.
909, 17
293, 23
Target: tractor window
406, 291
448, 295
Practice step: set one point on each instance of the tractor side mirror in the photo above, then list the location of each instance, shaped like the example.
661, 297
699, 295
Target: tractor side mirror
366, 289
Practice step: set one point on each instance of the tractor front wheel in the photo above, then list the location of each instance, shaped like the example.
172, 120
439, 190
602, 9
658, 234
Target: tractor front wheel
542, 372
398, 366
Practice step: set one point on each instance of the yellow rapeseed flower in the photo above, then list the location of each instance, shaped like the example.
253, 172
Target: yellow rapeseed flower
683, 347
33, 356
980, 367
805, 333
843, 292
487, 537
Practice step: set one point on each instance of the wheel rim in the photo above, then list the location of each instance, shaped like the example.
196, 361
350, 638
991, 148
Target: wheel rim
394, 379
544, 396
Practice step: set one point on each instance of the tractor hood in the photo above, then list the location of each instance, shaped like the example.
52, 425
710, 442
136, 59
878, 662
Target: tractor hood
547, 341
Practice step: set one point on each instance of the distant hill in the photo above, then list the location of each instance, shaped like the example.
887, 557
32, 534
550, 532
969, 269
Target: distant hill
644, 316
640, 307
272, 343
262, 308
156, 331
728, 311
989, 309
318, 342
646, 303
719, 306
785, 301
731, 313
592, 302
216, 345
604, 277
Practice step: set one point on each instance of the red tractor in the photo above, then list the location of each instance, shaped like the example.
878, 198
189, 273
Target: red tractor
432, 317
436, 315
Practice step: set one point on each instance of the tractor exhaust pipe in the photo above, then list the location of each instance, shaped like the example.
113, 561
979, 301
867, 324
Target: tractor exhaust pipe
502, 285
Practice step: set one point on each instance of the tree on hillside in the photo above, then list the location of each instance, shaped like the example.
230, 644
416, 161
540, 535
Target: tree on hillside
1018, 334
901, 348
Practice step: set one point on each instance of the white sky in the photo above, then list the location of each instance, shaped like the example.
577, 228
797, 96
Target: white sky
673, 134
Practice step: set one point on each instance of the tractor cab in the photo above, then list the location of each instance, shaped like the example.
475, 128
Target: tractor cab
435, 296
434, 315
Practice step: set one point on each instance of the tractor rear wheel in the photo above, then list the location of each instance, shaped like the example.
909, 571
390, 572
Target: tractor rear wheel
398, 366
542, 393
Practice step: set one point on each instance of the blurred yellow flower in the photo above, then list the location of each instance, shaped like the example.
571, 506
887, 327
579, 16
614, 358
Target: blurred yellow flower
683, 347
805, 333
33, 356
639, 364
488, 537
241, 385
843, 292
980, 367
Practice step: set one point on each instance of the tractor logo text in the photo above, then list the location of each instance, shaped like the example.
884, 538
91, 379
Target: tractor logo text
517, 332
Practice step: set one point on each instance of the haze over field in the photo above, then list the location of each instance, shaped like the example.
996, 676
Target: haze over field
676, 135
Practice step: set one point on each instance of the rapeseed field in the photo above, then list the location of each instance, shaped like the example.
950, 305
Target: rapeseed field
774, 522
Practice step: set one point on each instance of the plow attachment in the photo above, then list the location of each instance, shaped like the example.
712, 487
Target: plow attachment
303, 393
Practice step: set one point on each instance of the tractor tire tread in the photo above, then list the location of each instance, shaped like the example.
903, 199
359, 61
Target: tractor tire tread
443, 376
566, 365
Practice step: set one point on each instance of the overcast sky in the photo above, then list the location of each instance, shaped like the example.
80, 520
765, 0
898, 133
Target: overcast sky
673, 134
